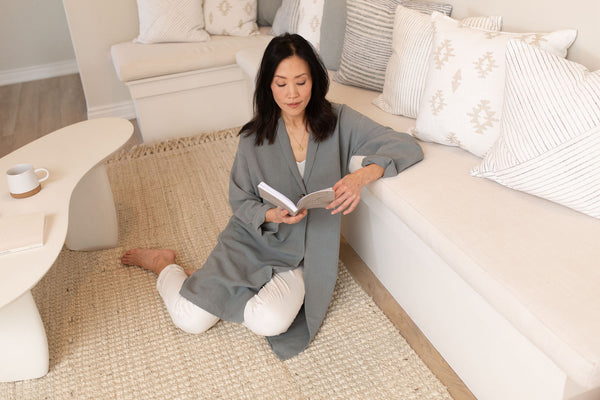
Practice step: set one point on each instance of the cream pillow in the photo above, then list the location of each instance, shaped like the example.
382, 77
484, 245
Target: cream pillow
462, 100
231, 17
407, 69
550, 141
309, 21
173, 21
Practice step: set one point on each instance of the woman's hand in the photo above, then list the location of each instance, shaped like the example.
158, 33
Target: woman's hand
347, 190
282, 216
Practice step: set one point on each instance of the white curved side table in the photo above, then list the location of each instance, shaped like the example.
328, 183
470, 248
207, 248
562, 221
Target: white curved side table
80, 213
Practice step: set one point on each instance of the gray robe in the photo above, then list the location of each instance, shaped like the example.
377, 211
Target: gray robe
249, 251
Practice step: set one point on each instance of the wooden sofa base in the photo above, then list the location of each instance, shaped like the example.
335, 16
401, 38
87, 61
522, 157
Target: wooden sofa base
188, 103
492, 358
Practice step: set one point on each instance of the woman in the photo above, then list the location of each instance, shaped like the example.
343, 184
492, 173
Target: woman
273, 272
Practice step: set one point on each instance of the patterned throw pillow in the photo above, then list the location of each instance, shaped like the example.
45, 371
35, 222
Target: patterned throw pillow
407, 69
368, 39
302, 17
550, 141
309, 21
231, 17
174, 21
462, 100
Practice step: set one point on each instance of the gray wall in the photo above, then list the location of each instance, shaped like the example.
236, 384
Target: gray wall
33, 33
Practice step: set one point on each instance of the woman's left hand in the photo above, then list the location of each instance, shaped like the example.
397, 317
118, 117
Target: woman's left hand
347, 190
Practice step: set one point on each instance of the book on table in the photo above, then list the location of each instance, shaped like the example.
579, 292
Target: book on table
21, 232
318, 199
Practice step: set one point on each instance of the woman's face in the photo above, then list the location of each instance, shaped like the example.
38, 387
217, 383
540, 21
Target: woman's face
292, 86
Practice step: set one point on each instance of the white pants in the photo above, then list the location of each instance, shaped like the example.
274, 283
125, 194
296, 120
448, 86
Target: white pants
269, 313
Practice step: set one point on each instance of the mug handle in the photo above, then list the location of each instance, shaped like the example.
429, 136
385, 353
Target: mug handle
46, 171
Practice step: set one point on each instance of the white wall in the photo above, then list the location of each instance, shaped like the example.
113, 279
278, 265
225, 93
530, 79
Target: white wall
545, 15
34, 41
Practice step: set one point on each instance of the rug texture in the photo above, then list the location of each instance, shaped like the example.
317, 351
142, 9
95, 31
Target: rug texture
110, 336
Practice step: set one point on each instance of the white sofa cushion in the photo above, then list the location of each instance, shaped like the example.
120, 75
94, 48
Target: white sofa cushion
172, 21
407, 68
362, 101
462, 100
231, 17
550, 140
135, 61
530, 258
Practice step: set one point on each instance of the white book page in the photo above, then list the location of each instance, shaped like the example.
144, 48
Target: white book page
318, 199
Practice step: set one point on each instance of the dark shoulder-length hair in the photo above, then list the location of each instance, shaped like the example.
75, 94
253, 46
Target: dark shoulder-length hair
320, 116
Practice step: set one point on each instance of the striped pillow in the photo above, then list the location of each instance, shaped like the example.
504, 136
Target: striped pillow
286, 17
368, 39
550, 141
407, 69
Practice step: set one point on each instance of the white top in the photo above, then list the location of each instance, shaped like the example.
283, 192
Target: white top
301, 165
68, 153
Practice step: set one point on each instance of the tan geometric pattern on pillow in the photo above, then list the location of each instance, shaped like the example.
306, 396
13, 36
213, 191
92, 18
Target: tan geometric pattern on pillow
550, 140
461, 104
411, 48
231, 17
309, 21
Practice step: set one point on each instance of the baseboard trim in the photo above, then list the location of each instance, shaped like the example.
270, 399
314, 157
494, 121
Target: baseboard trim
125, 109
37, 72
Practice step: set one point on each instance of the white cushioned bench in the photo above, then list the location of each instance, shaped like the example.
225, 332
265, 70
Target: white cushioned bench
179, 87
503, 283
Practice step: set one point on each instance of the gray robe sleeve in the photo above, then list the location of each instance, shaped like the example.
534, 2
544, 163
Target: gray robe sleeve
394, 151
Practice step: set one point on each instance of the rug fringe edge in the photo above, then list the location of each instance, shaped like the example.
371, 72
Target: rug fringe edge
144, 150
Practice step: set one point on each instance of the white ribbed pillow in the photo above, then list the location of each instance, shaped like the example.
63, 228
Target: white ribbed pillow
171, 21
407, 69
231, 17
461, 104
368, 40
550, 141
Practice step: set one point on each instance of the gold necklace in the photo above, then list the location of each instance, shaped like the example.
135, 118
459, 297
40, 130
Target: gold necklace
300, 148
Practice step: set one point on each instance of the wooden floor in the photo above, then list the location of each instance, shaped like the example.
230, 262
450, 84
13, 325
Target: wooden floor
29, 110
32, 109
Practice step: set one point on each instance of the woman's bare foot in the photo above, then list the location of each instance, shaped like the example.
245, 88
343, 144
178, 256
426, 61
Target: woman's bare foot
154, 260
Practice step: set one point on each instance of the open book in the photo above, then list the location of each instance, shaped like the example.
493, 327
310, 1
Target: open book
21, 232
318, 199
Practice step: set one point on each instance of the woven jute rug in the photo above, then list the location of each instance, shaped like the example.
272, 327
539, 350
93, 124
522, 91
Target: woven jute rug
110, 336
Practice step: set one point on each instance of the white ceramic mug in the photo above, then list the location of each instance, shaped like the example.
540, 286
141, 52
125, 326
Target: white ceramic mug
23, 180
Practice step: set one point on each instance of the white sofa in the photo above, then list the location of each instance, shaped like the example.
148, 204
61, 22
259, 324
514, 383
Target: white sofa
502, 283
181, 88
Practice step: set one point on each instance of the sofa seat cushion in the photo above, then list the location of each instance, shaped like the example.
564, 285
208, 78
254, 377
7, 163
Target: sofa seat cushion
536, 262
135, 61
362, 101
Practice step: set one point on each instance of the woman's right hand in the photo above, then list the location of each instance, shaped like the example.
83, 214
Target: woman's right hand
281, 216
